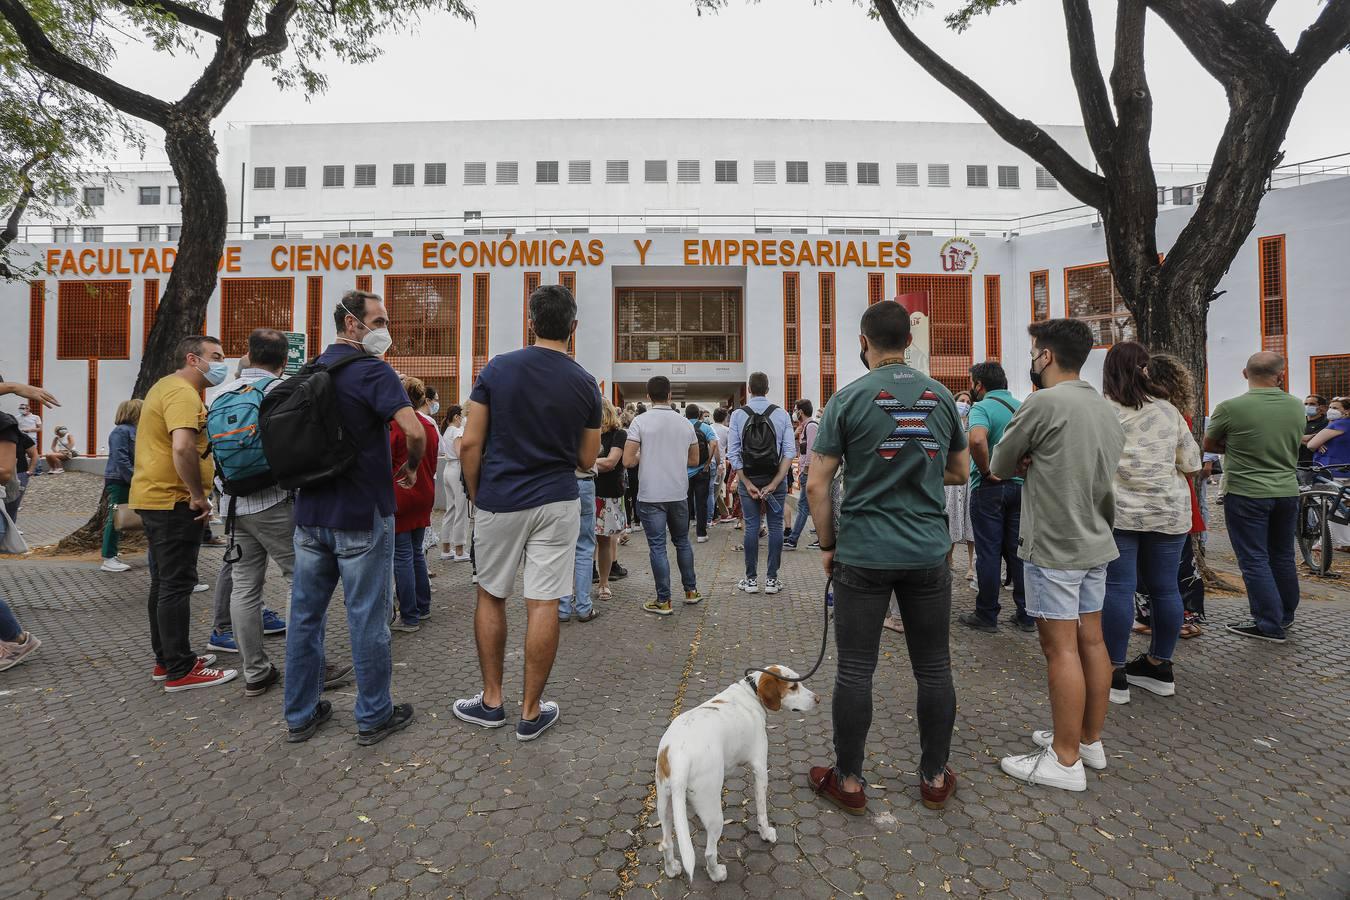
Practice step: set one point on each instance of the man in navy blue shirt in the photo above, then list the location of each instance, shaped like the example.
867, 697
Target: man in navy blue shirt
534, 423
345, 528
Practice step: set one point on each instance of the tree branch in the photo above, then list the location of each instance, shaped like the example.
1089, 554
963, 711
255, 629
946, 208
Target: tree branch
46, 57
11, 229
193, 18
1253, 10
1087, 79
1023, 134
273, 40
1327, 36
1232, 48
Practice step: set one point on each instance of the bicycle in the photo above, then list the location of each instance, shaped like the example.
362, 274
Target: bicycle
1324, 502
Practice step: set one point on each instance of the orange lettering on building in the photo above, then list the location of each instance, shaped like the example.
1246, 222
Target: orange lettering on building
902, 254
578, 254
642, 248
595, 252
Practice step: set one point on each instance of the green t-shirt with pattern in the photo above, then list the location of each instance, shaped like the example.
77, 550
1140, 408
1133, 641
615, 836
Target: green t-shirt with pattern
893, 427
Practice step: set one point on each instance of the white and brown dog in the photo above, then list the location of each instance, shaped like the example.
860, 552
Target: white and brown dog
702, 745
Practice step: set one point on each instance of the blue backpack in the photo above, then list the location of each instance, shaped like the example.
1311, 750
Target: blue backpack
236, 442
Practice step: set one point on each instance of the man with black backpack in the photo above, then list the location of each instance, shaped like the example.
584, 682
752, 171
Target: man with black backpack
761, 450
344, 512
700, 476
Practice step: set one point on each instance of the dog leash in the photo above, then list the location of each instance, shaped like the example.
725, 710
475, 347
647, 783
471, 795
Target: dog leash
824, 643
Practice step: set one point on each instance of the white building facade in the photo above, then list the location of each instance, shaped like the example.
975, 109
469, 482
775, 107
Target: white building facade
727, 265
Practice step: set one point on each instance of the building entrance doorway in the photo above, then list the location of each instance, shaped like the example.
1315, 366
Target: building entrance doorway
707, 394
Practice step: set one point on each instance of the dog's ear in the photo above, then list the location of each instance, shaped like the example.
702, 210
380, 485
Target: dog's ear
771, 689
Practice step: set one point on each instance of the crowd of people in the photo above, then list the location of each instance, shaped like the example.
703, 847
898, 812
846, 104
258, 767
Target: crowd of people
1089, 506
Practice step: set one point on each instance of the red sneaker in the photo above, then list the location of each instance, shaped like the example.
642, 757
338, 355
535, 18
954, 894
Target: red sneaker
825, 781
200, 676
160, 673
936, 798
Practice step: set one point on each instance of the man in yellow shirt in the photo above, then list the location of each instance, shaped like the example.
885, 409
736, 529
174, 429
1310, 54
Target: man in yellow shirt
168, 490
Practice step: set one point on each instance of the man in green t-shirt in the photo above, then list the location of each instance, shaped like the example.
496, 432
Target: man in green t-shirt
1260, 433
899, 437
995, 504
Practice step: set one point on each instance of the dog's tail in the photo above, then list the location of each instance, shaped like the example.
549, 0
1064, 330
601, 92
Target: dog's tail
679, 811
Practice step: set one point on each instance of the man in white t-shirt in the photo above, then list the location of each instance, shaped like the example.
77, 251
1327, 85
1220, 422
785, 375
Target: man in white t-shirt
665, 443
30, 425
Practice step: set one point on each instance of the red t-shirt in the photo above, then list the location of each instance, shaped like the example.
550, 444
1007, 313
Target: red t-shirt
1197, 521
412, 506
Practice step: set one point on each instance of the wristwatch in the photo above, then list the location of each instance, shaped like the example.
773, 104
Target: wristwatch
825, 549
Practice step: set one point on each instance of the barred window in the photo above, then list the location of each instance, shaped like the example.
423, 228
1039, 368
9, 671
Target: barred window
579, 171
1044, 180
939, 175
295, 178
797, 171
687, 170
508, 173
264, 178
907, 174
365, 175
93, 196
1009, 177
404, 173
724, 171
616, 171
766, 171
147, 234
654, 170
977, 176
475, 173
433, 173
148, 196
869, 173
94, 319
546, 171
249, 303
334, 176
836, 173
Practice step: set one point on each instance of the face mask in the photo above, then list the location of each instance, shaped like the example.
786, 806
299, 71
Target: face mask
963, 409
862, 355
377, 341
1334, 414
216, 373
435, 408
1311, 411
1037, 381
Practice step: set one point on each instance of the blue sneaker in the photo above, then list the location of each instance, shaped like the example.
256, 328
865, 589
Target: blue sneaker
528, 730
222, 641
476, 712
273, 623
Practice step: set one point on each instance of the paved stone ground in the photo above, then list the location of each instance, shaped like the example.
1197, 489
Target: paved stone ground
1238, 786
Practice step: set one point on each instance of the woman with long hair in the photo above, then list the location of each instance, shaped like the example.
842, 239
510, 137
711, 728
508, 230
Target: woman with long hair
455, 522
412, 515
610, 517
1175, 385
1153, 519
117, 477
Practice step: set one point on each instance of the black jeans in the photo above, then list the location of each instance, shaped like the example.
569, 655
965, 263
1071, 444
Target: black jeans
861, 600
175, 542
698, 502
996, 518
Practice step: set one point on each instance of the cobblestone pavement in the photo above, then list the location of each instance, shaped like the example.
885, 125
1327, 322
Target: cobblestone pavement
1238, 786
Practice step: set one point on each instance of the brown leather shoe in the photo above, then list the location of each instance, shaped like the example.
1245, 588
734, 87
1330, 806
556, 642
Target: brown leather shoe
825, 781
936, 798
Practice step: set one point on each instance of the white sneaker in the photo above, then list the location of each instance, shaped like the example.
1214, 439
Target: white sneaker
772, 586
464, 558
201, 587
445, 555
1093, 755
113, 564
749, 585
1042, 767
703, 540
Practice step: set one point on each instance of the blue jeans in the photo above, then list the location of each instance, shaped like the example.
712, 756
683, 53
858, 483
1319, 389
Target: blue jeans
585, 555
1156, 559
803, 511
364, 560
656, 519
1262, 531
750, 508
412, 587
10, 629
996, 518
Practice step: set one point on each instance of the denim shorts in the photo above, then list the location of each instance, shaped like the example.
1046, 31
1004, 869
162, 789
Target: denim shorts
1063, 593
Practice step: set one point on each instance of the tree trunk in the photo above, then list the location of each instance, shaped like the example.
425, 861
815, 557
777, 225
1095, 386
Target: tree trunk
191, 149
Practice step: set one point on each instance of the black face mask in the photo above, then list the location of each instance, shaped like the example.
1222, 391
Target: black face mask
1037, 381
862, 355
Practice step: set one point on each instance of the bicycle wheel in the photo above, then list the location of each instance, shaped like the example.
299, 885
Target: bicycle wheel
1314, 532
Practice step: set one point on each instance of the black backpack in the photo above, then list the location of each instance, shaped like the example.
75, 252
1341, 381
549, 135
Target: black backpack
302, 432
759, 446
703, 449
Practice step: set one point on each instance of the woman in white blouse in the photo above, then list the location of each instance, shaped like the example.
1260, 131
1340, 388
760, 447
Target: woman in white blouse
455, 523
1153, 518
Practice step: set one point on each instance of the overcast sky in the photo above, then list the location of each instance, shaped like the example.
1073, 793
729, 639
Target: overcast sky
772, 59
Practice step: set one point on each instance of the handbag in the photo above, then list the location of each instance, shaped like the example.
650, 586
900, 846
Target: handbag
125, 518
11, 541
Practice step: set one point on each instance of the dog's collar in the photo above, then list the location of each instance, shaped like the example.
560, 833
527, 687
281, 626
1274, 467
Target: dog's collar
750, 683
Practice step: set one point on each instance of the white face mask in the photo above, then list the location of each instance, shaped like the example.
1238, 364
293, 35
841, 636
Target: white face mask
1309, 410
376, 341
963, 408
1333, 414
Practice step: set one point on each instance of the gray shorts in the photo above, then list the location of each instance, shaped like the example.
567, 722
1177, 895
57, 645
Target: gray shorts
1063, 594
544, 538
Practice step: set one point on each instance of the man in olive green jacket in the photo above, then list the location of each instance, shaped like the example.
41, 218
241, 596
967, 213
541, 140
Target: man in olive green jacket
1068, 441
